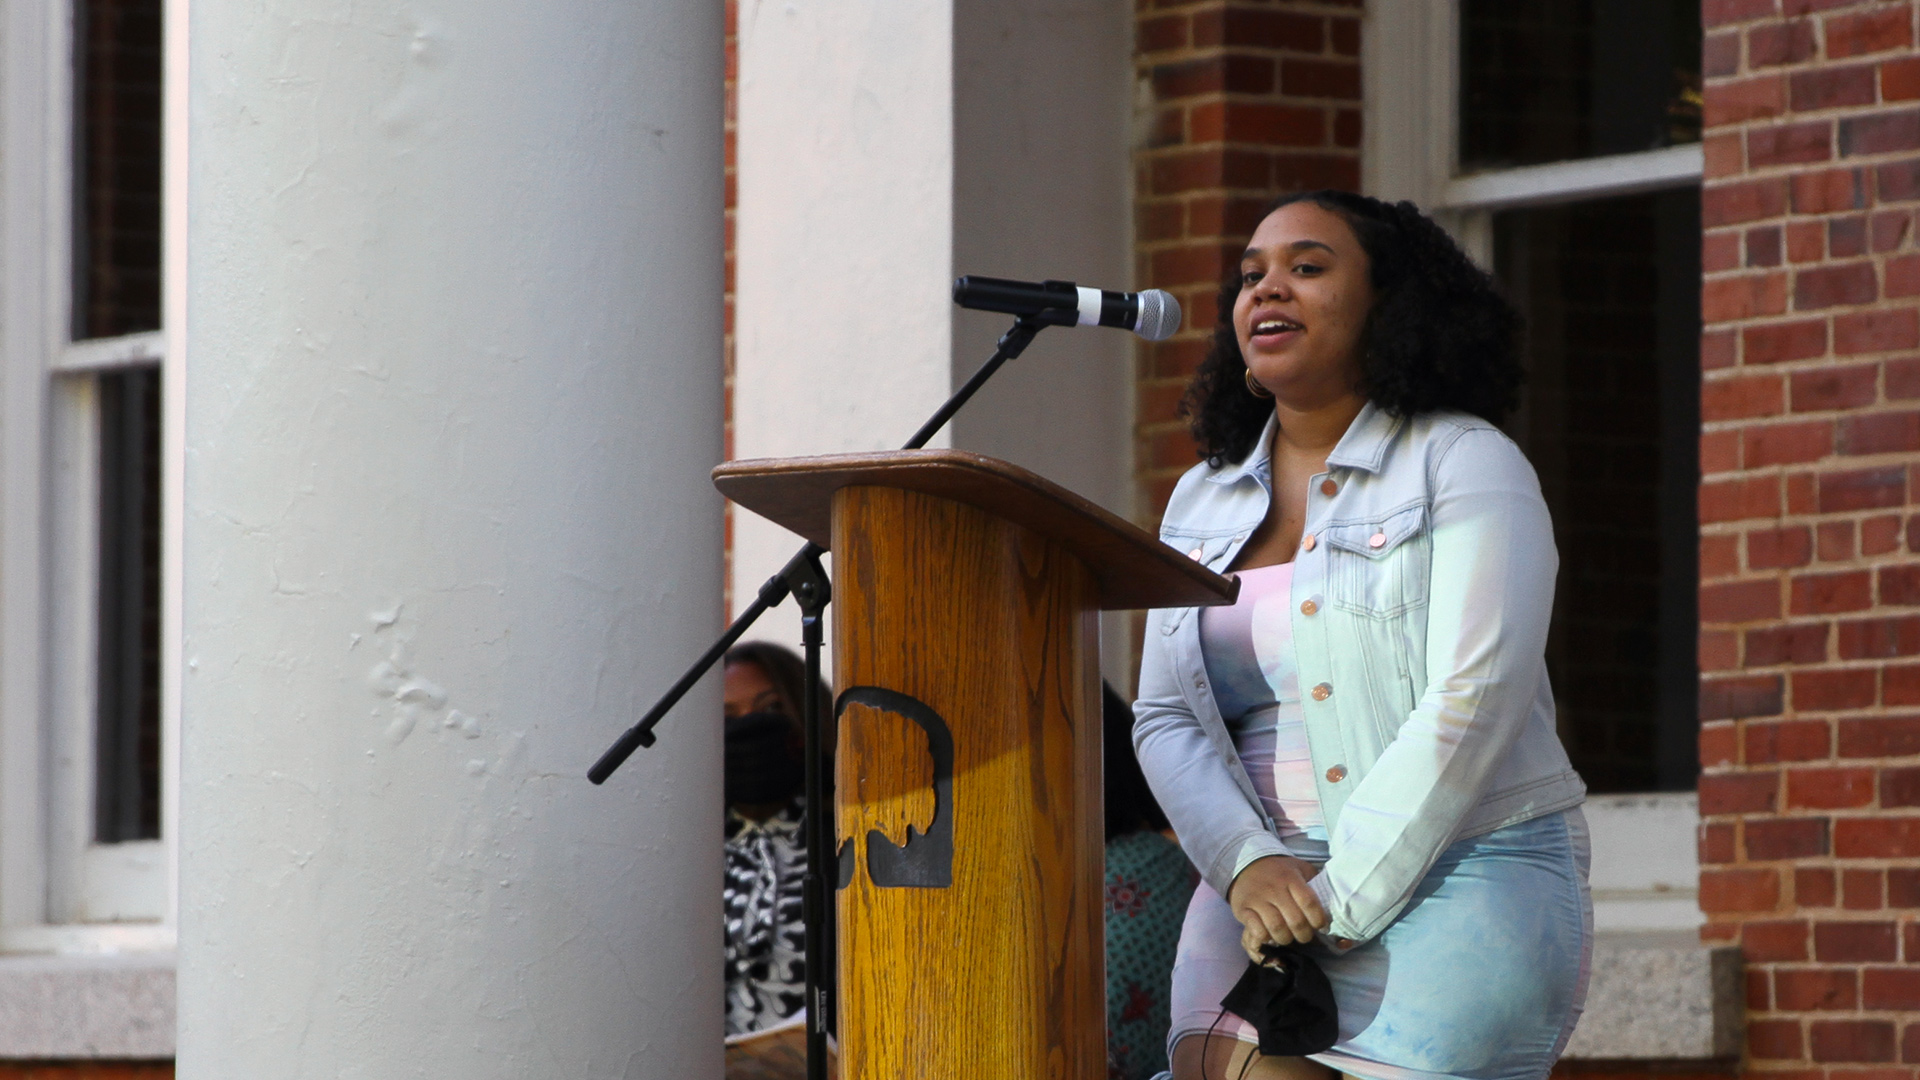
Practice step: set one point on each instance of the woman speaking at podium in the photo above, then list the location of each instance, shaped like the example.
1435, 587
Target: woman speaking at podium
1359, 755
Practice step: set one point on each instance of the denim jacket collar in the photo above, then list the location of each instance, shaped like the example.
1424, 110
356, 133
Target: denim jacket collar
1364, 446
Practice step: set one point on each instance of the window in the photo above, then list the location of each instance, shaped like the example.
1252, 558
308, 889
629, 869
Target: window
1559, 141
85, 862
1562, 80
1610, 420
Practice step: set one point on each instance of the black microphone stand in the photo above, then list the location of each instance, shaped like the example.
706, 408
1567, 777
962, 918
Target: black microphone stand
804, 578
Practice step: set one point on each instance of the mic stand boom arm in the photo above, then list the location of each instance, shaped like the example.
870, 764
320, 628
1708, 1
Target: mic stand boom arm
804, 578
1012, 344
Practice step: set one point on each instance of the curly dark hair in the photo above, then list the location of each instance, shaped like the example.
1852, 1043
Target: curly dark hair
1439, 335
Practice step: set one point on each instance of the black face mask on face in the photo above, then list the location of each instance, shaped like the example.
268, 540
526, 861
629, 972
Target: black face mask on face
762, 764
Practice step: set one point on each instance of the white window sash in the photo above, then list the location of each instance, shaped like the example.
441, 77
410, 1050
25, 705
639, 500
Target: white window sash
59, 891
111, 354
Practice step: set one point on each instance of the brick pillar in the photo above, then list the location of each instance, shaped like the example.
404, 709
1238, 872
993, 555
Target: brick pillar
1247, 102
1810, 593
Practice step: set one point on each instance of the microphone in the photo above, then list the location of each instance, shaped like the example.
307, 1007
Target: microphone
1152, 314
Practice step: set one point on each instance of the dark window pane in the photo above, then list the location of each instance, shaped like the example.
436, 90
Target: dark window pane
127, 729
116, 214
1554, 80
1610, 419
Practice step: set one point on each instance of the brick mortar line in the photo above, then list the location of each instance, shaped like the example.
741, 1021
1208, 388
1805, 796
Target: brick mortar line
1749, 369
1865, 461
1806, 168
1787, 267
1778, 18
1812, 65
1791, 115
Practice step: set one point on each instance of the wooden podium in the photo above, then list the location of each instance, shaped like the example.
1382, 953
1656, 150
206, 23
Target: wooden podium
967, 774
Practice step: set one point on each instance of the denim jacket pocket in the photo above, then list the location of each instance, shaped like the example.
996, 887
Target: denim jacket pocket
1380, 567
1208, 551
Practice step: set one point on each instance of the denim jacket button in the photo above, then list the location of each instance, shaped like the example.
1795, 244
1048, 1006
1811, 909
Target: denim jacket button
1306, 542
1195, 554
1328, 487
1345, 943
1323, 692
1336, 774
1308, 607
1378, 539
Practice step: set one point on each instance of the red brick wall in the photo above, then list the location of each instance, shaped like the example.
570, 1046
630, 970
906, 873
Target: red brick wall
1249, 100
1810, 593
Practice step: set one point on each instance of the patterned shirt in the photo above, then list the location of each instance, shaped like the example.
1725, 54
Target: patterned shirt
766, 949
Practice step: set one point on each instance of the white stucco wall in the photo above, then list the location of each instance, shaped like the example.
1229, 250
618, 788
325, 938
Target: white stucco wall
453, 329
884, 150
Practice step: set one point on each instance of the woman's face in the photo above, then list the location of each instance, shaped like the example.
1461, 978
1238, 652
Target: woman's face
746, 689
1304, 295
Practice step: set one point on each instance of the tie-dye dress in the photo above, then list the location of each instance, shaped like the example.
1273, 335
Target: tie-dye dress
1493, 913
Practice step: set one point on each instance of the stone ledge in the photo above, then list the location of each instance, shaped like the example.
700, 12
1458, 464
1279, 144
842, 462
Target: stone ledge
62, 1007
1660, 996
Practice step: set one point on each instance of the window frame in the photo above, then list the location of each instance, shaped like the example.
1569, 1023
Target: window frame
59, 891
1410, 53
1410, 101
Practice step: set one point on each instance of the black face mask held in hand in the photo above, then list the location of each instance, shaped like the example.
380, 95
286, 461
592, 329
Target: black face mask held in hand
763, 765
1288, 1001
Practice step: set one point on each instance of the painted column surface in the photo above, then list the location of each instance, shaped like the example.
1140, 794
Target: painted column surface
452, 394
843, 261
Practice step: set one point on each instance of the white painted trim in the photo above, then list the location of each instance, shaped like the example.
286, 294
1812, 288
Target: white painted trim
173, 427
1407, 115
1573, 181
1411, 123
29, 141
112, 354
1646, 862
58, 890
71, 580
124, 882
99, 939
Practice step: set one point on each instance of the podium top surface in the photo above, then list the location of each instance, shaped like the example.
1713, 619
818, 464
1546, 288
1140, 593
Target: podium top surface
1133, 568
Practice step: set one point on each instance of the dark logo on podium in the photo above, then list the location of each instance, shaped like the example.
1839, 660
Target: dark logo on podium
925, 861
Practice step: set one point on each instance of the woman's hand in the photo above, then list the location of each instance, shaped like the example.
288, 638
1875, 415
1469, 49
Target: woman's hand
1273, 903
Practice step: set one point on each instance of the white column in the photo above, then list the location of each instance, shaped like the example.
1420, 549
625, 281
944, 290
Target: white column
843, 235
452, 393
885, 149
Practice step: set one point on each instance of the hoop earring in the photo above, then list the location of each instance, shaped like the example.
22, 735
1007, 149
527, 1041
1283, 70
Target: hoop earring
1254, 387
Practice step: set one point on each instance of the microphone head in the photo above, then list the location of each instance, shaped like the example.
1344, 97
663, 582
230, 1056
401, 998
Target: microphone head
1159, 315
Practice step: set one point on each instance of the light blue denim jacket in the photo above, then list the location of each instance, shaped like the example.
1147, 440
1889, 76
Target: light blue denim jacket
1422, 663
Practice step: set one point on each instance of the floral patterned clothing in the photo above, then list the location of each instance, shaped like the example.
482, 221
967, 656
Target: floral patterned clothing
1149, 882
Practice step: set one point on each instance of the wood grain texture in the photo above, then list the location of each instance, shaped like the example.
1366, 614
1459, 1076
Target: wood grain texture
1133, 569
995, 627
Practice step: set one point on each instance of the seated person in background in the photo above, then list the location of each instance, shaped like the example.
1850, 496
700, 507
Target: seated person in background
1149, 884
766, 851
